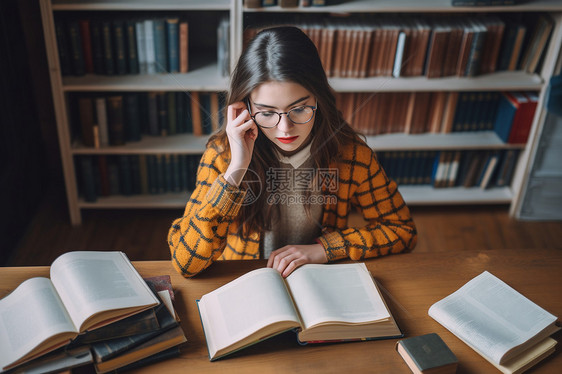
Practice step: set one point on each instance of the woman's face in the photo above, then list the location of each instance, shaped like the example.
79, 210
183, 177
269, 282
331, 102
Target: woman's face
281, 97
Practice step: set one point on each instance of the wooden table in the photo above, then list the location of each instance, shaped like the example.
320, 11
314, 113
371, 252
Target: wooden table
411, 283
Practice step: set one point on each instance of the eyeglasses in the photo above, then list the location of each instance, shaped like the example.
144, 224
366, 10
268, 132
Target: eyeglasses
269, 119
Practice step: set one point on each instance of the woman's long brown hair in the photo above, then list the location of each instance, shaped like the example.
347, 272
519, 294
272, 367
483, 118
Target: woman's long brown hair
283, 54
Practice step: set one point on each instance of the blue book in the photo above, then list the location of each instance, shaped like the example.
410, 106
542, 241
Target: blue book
172, 30
160, 46
504, 117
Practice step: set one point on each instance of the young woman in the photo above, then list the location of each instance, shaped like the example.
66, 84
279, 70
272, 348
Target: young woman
280, 179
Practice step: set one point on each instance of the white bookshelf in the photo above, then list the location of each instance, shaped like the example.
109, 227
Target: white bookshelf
204, 76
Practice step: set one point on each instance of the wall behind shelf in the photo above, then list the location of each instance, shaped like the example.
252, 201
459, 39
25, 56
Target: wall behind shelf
30, 151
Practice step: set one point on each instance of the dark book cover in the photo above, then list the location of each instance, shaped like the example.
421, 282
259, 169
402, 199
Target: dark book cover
125, 175
115, 124
132, 113
97, 46
162, 103
160, 46
86, 116
157, 357
172, 33
86, 45
119, 47
107, 42
426, 352
131, 46
172, 113
76, 50
63, 48
87, 180
108, 349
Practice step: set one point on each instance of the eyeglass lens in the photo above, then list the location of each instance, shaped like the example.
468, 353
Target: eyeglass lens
299, 115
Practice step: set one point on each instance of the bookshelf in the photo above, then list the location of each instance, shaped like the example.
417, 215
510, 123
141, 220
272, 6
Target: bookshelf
203, 76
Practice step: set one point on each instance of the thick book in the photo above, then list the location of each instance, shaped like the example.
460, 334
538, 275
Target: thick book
499, 323
162, 342
86, 290
427, 354
324, 303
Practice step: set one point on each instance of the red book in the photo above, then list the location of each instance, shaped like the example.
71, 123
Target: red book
523, 118
87, 45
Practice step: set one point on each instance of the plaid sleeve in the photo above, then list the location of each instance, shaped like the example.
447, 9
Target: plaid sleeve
199, 237
390, 228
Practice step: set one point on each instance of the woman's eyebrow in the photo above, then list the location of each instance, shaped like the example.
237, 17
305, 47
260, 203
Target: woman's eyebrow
291, 104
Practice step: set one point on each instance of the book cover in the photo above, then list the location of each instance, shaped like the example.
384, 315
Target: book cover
427, 353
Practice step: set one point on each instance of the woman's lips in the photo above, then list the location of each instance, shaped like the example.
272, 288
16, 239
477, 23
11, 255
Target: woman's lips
288, 140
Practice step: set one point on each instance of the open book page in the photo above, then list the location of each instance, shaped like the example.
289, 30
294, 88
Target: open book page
245, 307
342, 292
93, 282
29, 316
488, 314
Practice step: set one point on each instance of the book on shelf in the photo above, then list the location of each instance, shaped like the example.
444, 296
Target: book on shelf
427, 354
499, 323
61, 360
86, 290
514, 116
315, 300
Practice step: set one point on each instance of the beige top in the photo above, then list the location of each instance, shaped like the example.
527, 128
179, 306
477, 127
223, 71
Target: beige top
291, 188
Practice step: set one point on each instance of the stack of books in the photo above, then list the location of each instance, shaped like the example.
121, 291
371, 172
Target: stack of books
94, 310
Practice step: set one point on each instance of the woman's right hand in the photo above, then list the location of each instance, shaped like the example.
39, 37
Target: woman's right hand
242, 133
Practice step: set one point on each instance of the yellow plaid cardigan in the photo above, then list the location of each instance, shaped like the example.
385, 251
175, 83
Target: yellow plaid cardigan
208, 231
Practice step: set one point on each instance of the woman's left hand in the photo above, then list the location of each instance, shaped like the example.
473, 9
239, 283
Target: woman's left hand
288, 258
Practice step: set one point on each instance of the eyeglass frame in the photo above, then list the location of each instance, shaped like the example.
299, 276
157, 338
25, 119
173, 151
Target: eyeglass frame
253, 117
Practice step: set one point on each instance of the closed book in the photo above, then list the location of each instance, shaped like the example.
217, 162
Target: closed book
87, 118
523, 119
76, 50
157, 357
427, 354
107, 43
132, 113
162, 102
87, 179
171, 338
132, 52
97, 46
184, 46
141, 46
149, 46
101, 115
85, 34
110, 348
160, 46
119, 47
115, 124
125, 175
63, 48
476, 49
172, 113
196, 117
172, 37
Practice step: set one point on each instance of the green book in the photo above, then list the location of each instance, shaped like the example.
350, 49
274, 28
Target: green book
427, 354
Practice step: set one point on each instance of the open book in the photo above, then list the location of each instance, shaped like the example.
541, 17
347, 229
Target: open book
323, 302
86, 290
503, 326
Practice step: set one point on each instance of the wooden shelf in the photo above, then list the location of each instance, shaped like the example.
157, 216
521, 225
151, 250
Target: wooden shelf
204, 79
427, 195
428, 141
141, 5
177, 144
499, 81
409, 6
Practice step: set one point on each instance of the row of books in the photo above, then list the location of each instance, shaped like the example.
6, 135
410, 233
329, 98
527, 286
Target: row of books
103, 120
434, 46
470, 168
122, 46
110, 175
441, 112
124, 321
289, 3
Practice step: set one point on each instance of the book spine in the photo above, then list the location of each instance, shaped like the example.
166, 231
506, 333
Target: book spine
119, 47
133, 59
172, 31
160, 47
149, 42
141, 46
76, 50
